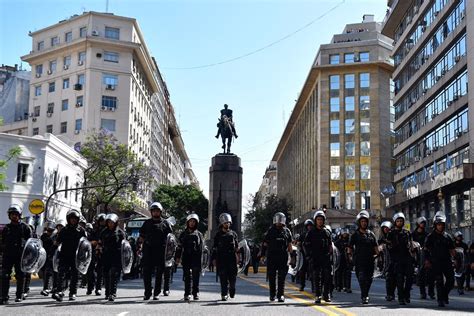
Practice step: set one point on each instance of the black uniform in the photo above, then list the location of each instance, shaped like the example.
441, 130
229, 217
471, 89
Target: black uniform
438, 247
460, 280
94, 273
399, 242
304, 268
191, 243
390, 278
364, 251
69, 238
425, 277
111, 241
343, 274
48, 245
224, 252
318, 247
14, 237
277, 241
154, 233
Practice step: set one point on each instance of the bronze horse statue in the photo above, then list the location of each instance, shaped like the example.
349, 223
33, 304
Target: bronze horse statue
225, 130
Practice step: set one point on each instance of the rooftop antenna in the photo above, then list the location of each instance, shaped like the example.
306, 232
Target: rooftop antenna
106, 6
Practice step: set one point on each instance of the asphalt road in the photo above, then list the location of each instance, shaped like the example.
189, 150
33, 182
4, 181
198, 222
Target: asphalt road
251, 299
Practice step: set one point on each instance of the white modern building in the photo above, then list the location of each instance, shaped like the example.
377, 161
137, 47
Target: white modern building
46, 164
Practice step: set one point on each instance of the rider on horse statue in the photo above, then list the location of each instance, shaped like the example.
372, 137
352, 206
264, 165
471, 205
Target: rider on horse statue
226, 112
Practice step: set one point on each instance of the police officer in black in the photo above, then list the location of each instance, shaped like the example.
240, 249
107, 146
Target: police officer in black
276, 247
153, 234
343, 274
399, 242
318, 247
189, 252
224, 256
69, 238
94, 273
362, 251
459, 243
308, 225
111, 242
48, 245
390, 279
439, 251
424, 275
14, 237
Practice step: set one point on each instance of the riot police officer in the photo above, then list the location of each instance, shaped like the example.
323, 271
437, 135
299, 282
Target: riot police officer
69, 238
14, 237
390, 279
318, 246
399, 242
365, 244
459, 243
189, 252
424, 275
343, 274
111, 242
276, 247
60, 224
224, 255
48, 245
153, 234
94, 273
308, 225
439, 249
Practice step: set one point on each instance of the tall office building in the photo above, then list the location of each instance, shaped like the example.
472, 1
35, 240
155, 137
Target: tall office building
432, 50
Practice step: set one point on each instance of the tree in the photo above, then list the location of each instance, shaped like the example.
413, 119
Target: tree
116, 171
180, 201
260, 215
12, 154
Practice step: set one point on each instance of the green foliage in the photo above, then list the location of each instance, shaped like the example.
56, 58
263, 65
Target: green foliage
260, 215
180, 201
117, 172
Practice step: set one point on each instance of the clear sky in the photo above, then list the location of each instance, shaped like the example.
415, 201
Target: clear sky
261, 88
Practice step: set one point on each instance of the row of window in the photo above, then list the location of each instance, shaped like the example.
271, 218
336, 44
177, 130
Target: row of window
108, 103
349, 81
438, 105
350, 201
408, 18
349, 149
349, 103
350, 172
81, 80
106, 124
349, 58
350, 126
443, 135
110, 32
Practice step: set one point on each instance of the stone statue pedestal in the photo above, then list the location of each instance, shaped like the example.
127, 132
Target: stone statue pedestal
225, 192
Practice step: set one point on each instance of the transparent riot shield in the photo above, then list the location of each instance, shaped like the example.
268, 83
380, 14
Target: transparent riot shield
244, 255
292, 261
126, 253
335, 259
170, 250
83, 255
32, 256
56, 259
205, 258
459, 262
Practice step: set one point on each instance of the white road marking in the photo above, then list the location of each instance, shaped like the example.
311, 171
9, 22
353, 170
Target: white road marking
123, 313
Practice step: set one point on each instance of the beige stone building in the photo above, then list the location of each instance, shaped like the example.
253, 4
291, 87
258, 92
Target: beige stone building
94, 71
433, 53
335, 151
269, 185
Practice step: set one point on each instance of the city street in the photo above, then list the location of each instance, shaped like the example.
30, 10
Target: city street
251, 299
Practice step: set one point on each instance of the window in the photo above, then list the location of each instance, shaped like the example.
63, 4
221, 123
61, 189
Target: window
112, 32
111, 56
35, 131
68, 37
78, 125
364, 56
65, 105
81, 79
349, 81
37, 91
49, 129
350, 127
334, 59
365, 148
37, 111
63, 127
50, 107
334, 104
52, 65
81, 57
39, 69
66, 185
335, 173
350, 172
22, 173
52, 86
83, 32
54, 41
108, 125
66, 83
350, 200
364, 79
365, 200
109, 79
40, 45
349, 58
335, 199
365, 171
334, 127
349, 103
335, 149
350, 149
334, 82
109, 102
80, 100
365, 125
67, 61
364, 102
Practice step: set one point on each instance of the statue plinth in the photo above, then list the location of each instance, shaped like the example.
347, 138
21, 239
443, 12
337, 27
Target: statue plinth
225, 192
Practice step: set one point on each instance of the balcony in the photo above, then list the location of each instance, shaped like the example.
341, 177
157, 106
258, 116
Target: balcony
394, 15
